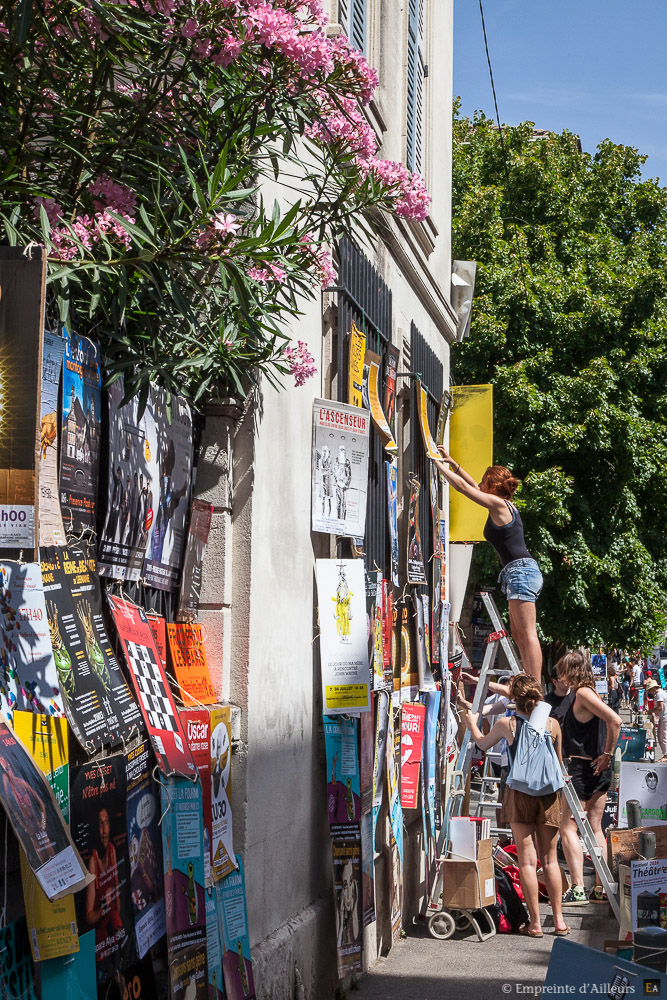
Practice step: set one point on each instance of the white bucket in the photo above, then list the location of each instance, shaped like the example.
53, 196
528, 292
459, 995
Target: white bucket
539, 715
460, 558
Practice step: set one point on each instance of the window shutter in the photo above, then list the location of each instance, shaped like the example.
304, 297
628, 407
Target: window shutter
416, 76
344, 15
357, 32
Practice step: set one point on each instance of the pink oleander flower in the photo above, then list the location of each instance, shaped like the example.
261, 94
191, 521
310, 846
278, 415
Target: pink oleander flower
300, 362
110, 194
190, 29
53, 209
265, 274
225, 223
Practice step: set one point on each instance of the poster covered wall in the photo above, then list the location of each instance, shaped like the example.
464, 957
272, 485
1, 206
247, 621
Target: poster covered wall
343, 786
339, 468
51, 530
133, 485
80, 439
99, 827
343, 638
183, 850
173, 433
145, 849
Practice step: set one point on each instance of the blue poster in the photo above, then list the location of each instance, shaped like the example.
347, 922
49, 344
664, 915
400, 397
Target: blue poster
80, 440
432, 702
183, 851
236, 961
392, 512
216, 985
661, 675
17, 974
72, 976
343, 786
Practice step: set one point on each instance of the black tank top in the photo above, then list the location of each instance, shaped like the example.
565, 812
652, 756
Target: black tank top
507, 540
583, 739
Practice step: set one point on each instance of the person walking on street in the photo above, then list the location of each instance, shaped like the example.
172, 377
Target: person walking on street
520, 578
590, 734
531, 817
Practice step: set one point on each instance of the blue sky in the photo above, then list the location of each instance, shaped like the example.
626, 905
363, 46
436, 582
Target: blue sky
596, 68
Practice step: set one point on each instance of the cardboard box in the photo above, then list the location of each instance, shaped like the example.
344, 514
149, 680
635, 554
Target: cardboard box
623, 845
469, 885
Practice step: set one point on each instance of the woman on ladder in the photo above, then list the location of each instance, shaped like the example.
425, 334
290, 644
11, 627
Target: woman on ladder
520, 578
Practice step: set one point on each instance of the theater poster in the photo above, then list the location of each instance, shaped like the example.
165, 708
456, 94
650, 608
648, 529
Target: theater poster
159, 629
391, 357
29, 674
341, 738
188, 658
346, 855
53, 929
80, 437
183, 858
74, 976
37, 820
132, 487
22, 283
145, 848
166, 540
17, 973
216, 981
51, 530
197, 726
392, 513
412, 740
223, 859
201, 515
98, 702
341, 596
152, 690
416, 571
236, 961
339, 468
375, 406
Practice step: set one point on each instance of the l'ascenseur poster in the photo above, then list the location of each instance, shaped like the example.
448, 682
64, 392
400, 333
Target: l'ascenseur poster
52, 924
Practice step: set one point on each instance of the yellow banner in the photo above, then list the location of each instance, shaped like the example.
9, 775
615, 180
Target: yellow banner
51, 925
377, 413
471, 444
356, 367
430, 446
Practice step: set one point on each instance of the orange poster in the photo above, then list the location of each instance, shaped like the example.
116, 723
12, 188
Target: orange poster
186, 645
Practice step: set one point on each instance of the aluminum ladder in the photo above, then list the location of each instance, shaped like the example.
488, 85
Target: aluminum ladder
595, 851
490, 781
499, 639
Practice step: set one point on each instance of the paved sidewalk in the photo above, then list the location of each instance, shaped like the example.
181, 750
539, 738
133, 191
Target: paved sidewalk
462, 968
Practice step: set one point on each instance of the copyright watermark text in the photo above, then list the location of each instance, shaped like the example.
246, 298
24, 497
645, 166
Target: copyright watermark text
585, 989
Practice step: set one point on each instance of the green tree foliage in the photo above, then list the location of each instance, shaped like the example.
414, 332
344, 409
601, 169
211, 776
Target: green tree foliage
570, 325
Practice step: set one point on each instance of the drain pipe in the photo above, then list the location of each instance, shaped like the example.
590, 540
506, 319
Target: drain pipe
299, 991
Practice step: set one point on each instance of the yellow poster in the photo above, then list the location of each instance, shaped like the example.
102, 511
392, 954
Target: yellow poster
430, 447
356, 367
471, 444
381, 424
223, 860
51, 925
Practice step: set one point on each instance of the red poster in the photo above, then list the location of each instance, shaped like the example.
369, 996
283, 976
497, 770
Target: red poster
153, 694
159, 630
412, 737
197, 726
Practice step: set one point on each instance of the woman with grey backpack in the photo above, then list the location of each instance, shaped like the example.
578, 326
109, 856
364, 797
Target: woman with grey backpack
531, 804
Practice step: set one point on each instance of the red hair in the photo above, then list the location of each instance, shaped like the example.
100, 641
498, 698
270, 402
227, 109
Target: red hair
500, 481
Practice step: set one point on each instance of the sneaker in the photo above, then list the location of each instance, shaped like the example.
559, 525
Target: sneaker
575, 896
597, 895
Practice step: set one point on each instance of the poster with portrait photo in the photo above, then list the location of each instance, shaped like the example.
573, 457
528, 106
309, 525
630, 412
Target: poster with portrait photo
173, 454
132, 487
99, 828
416, 571
80, 432
339, 468
51, 529
648, 784
346, 856
145, 848
36, 819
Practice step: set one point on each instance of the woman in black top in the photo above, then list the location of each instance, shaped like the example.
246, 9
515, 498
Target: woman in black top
521, 579
590, 735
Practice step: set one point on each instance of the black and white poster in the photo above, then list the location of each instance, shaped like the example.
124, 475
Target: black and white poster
173, 454
133, 487
339, 468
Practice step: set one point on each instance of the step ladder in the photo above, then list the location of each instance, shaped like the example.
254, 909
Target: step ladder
595, 851
498, 639
490, 785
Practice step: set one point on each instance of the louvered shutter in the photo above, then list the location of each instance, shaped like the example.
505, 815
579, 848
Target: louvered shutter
344, 16
358, 27
416, 76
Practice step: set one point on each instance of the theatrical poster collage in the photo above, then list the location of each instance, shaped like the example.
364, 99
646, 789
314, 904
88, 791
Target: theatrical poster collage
388, 726
115, 760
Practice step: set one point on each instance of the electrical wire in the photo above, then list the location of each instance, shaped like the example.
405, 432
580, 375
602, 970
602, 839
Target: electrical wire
505, 157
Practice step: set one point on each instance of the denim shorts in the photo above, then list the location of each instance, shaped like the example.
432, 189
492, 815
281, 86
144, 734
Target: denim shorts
521, 580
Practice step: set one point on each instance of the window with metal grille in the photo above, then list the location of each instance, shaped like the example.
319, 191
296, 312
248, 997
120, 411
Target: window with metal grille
365, 300
424, 361
352, 16
416, 86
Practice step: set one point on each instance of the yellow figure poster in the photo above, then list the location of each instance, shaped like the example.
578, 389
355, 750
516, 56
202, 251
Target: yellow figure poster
356, 366
471, 444
51, 925
341, 595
